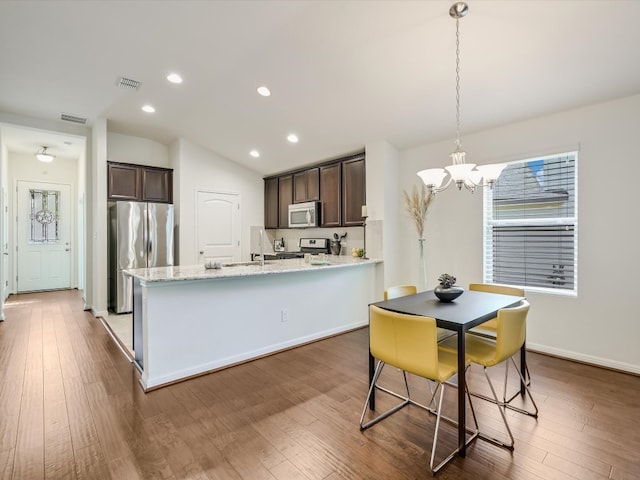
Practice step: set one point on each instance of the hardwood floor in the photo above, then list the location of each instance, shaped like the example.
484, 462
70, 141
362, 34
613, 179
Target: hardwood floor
71, 407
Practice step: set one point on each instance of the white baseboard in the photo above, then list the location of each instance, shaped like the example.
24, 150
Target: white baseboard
217, 364
100, 313
581, 357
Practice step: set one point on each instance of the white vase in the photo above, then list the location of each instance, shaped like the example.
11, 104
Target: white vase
422, 265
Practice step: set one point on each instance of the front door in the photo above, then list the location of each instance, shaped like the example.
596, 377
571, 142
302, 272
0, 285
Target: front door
217, 227
43, 236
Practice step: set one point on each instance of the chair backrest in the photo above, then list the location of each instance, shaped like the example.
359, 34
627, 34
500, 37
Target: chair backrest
503, 289
511, 330
408, 342
400, 291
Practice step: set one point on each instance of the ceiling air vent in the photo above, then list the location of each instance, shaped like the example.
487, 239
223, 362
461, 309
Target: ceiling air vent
73, 118
128, 83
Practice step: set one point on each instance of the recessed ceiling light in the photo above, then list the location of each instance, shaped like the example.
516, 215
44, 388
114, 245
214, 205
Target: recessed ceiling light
292, 137
174, 78
254, 153
264, 91
148, 109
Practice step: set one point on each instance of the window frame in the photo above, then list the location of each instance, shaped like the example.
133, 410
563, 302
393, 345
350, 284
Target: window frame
489, 223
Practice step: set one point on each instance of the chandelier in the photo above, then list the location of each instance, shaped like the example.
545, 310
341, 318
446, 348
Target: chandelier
44, 156
460, 172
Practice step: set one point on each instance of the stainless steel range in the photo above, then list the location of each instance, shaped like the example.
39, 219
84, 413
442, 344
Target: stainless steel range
313, 246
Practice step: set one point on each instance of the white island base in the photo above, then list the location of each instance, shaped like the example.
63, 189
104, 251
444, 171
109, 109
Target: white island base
188, 321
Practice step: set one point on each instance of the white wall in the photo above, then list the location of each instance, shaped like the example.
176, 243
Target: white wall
140, 151
200, 168
602, 324
97, 274
382, 171
4, 225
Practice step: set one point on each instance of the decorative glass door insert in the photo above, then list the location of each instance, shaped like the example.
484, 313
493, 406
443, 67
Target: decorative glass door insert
45, 216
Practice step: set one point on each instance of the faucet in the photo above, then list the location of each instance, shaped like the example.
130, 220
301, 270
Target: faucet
261, 248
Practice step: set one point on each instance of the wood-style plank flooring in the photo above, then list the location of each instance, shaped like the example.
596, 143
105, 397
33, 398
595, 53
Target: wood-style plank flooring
71, 407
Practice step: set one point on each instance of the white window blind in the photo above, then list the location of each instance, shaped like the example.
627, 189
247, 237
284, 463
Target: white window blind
530, 225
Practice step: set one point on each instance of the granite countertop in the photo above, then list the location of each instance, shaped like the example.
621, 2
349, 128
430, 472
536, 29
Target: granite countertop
242, 269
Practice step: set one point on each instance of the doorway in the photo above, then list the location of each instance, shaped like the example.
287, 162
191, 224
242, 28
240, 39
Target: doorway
217, 226
46, 264
43, 236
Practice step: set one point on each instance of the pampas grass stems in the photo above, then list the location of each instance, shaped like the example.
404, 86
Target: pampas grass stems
417, 205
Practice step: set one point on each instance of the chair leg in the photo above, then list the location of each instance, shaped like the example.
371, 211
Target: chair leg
527, 390
374, 381
527, 383
501, 408
432, 393
439, 417
506, 402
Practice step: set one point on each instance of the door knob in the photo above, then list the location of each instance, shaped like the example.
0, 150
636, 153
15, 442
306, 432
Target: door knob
67, 249
201, 252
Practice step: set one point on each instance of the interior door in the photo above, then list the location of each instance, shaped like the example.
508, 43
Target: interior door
43, 236
217, 227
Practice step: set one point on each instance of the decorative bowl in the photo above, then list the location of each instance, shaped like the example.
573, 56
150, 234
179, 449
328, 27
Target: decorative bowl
448, 294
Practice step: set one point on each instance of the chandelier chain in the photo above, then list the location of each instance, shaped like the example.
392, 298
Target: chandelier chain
458, 83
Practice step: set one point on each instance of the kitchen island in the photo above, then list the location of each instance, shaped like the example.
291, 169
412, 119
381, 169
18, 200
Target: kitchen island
188, 320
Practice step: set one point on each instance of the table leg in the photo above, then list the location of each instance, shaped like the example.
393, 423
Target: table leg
523, 367
372, 368
461, 395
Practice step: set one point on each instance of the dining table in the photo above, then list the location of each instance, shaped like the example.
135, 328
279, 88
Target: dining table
469, 310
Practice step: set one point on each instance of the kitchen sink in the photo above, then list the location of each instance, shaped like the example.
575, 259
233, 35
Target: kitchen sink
255, 263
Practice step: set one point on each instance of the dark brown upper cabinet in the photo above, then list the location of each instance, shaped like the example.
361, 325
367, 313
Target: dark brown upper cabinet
353, 192
339, 185
157, 185
139, 183
271, 203
306, 186
124, 182
330, 176
285, 198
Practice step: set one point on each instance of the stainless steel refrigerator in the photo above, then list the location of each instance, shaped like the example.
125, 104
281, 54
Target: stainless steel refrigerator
140, 236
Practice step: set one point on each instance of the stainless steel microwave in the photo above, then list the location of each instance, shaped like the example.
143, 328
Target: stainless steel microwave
304, 215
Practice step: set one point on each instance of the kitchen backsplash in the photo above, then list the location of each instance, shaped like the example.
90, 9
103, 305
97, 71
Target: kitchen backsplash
354, 238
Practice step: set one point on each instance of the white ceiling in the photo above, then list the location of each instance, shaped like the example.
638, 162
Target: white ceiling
342, 73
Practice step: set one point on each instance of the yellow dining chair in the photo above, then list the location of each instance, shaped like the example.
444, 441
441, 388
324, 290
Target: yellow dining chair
404, 290
400, 291
490, 325
488, 328
409, 342
511, 324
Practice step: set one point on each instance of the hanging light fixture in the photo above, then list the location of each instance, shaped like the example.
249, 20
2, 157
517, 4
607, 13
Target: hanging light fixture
43, 156
460, 172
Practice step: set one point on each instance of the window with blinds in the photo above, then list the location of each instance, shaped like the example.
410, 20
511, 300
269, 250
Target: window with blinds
530, 225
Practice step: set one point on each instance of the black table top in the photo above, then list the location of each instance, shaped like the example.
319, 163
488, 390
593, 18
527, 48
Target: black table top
468, 310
